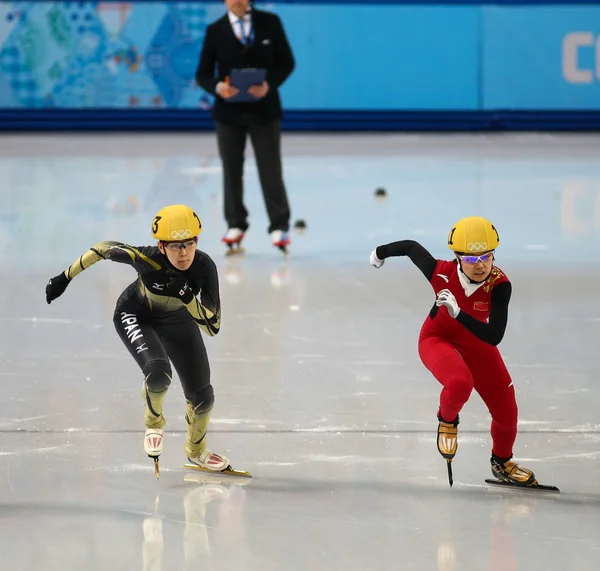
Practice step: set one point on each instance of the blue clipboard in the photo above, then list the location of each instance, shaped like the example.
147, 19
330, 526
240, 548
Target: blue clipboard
242, 79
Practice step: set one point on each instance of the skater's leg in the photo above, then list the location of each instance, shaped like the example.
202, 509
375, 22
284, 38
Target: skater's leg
231, 140
493, 383
183, 342
449, 368
266, 141
145, 347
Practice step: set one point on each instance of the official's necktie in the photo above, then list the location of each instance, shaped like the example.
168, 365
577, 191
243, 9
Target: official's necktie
243, 37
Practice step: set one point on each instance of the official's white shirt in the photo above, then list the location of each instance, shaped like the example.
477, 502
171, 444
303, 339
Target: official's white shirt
235, 24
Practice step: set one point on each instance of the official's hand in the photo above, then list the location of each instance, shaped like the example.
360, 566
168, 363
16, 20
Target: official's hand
259, 91
56, 287
447, 299
374, 260
178, 287
225, 90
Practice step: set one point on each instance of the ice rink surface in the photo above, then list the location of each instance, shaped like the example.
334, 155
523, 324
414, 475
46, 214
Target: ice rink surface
320, 393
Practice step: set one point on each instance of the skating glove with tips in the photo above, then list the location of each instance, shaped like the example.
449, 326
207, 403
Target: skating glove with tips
56, 287
374, 260
447, 299
178, 287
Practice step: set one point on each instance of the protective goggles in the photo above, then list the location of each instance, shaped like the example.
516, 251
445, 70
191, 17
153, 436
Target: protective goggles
468, 259
174, 246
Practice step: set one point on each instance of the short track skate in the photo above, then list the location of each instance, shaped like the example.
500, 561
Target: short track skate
229, 471
153, 446
216, 478
281, 240
233, 239
235, 249
534, 487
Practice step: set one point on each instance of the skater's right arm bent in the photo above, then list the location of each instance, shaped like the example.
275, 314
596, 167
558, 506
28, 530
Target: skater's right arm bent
206, 311
418, 255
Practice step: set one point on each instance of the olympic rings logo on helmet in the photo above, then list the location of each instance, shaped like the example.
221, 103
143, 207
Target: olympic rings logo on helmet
181, 234
477, 247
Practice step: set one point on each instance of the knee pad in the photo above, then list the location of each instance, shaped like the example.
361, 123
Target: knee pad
202, 400
158, 375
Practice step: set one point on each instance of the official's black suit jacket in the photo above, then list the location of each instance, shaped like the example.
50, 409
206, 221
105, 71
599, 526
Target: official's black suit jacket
222, 52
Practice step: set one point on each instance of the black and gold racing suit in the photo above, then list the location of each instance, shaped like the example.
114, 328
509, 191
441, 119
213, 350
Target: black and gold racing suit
157, 328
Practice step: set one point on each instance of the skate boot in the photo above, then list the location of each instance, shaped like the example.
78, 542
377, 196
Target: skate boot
153, 442
233, 238
195, 444
155, 422
210, 461
447, 438
507, 471
280, 240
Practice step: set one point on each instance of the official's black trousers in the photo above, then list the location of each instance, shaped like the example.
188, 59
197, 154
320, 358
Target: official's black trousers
266, 141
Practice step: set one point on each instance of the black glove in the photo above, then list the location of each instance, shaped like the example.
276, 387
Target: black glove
178, 287
56, 287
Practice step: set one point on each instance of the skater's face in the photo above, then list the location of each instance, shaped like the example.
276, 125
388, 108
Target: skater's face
477, 268
180, 254
238, 7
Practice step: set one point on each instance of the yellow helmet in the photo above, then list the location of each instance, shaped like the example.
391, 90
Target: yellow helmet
473, 234
176, 222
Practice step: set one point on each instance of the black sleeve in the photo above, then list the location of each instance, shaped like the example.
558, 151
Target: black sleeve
418, 255
140, 258
206, 311
205, 72
491, 332
283, 58
210, 285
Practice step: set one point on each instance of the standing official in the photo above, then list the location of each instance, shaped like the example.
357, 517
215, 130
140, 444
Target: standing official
248, 38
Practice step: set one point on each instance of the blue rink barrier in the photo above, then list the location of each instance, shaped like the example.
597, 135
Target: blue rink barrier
430, 65
190, 120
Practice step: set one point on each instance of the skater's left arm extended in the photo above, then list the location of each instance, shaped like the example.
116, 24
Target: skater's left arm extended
491, 332
418, 255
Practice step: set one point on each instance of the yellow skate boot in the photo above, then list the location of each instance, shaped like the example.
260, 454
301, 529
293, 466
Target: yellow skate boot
507, 471
447, 438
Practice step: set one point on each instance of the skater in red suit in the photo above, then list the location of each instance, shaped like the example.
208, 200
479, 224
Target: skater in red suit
458, 340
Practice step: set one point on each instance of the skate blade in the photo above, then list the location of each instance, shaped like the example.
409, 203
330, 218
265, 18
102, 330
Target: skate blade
215, 478
535, 487
156, 468
235, 251
450, 477
229, 471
